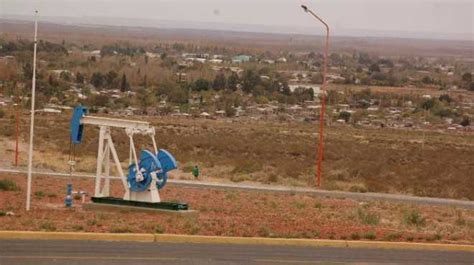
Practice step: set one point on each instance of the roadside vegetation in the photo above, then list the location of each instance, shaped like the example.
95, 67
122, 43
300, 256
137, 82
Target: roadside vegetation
237, 213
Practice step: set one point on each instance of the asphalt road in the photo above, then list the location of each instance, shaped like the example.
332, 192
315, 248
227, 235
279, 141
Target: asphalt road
24, 252
368, 196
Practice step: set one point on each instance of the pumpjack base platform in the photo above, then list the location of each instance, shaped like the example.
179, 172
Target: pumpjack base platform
110, 203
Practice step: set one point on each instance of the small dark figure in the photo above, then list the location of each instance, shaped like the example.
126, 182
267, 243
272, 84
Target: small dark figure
196, 171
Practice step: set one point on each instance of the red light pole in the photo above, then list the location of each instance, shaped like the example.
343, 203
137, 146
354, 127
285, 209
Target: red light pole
319, 171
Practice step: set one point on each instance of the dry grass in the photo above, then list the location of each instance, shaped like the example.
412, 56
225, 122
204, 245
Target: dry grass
237, 213
357, 160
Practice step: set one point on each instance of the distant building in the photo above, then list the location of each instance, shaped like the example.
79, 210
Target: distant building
241, 58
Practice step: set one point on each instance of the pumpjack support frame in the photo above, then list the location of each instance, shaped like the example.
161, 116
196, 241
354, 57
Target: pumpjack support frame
107, 153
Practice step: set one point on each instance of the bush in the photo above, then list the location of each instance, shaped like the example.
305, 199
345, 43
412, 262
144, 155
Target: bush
300, 205
358, 188
77, 228
159, 229
460, 221
39, 194
355, 236
121, 229
8, 185
344, 115
187, 169
393, 236
367, 217
247, 167
48, 226
465, 122
318, 205
414, 218
273, 178
370, 235
2, 113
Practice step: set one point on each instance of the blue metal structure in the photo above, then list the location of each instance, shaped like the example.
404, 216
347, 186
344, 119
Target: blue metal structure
149, 163
146, 174
168, 163
76, 127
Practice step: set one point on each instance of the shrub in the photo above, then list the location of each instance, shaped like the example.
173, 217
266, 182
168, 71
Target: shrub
413, 217
47, 226
159, 229
77, 228
121, 229
187, 169
238, 178
273, 178
52, 195
247, 167
465, 121
358, 188
370, 235
355, 236
300, 205
367, 217
2, 213
344, 115
460, 221
192, 227
265, 232
2, 113
318, 205
8, 185
39, 194
393, 236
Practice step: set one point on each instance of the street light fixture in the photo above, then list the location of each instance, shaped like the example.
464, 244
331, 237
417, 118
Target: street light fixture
323, 100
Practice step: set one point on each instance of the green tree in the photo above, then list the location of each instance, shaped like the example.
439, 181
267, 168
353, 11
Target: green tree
233, 81
445, 97
27, 71
374, 68
467, 77
219, 81
465, 122
145, 98
344, 115
110, 78
97, 80
201, 84
66, 76
124, 85
427, 80
250, 79
79, 78
428, 104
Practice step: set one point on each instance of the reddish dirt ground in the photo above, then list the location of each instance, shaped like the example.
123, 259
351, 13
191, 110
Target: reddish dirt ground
232, 213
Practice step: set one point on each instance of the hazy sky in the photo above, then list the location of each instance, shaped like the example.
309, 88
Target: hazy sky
443, 17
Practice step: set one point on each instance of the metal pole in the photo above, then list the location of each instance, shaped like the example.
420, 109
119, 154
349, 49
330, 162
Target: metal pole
323, 103
17, 125
32, 119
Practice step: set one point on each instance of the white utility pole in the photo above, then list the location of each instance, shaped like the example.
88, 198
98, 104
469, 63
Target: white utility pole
32, 119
